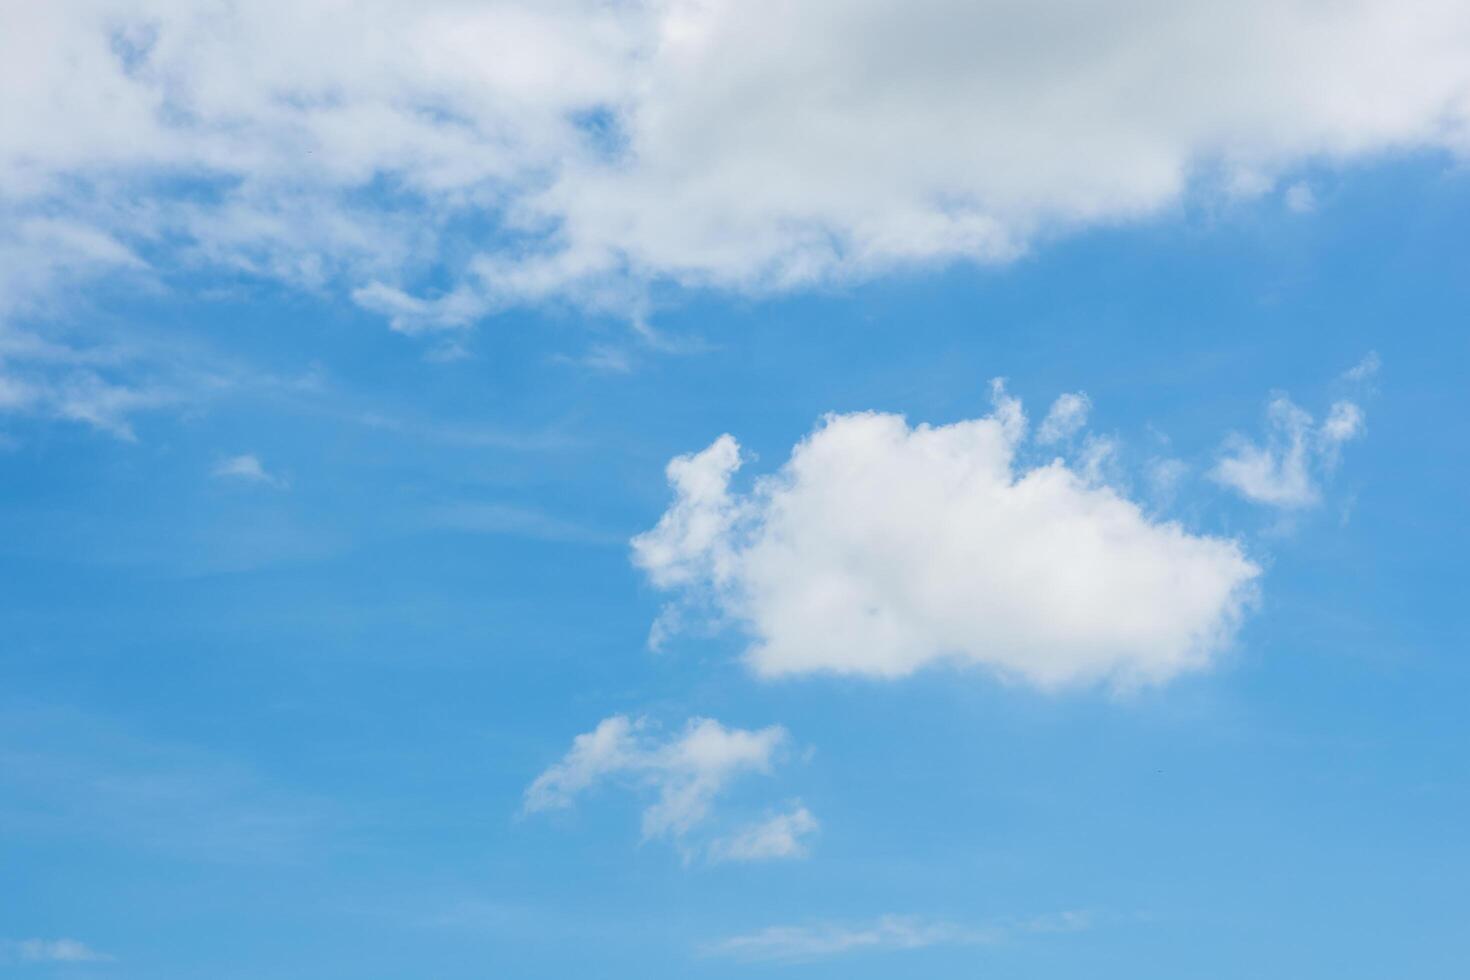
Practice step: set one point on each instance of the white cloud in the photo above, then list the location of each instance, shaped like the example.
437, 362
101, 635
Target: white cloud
1067, 416
247, 468
1285, 471
1364, 369
111, 380
685, 773
53, 951
580, 148
1344, 423
410, 314
44, 379
780, 836
40, 255
1097, 460
879, 548
1300, 199
890, 932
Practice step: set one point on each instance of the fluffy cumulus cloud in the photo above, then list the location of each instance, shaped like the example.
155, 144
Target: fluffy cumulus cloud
879, 548
577, 148
1286, 468
685, 773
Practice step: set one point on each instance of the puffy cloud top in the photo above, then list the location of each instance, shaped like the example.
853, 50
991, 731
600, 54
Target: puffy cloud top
879, 548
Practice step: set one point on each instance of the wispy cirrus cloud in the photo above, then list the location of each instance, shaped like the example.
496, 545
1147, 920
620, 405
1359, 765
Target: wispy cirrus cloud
497, 517
887, 933
111, 381
38, 951
97, 385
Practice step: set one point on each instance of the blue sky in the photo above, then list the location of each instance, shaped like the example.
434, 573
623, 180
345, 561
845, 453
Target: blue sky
356, 623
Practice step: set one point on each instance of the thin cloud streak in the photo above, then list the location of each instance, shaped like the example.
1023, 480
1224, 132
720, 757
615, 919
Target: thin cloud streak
34, 951
791, 944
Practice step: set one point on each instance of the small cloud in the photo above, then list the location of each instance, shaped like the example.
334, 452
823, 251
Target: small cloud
1067, 416
686, 773
247, 468
601, 357
1364, 369
447, 353
668, 623
609, 359
1344, 422
1245, 182
53, 951
415, 315
1285, 470
779, 837
1300, 198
